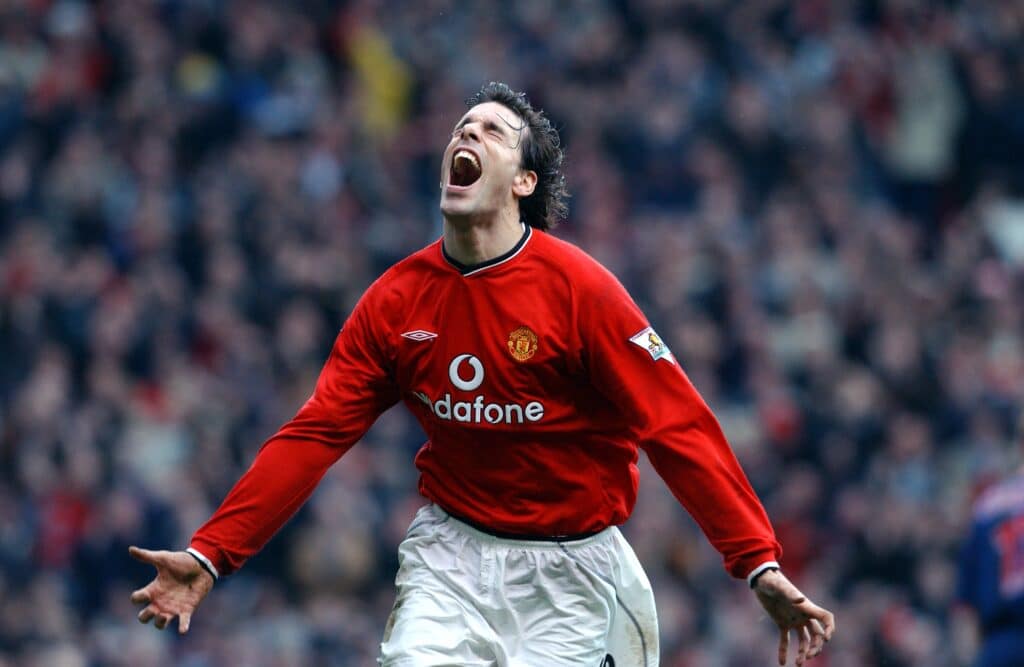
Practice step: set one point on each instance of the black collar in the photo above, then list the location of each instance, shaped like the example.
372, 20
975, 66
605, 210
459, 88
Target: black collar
467, 269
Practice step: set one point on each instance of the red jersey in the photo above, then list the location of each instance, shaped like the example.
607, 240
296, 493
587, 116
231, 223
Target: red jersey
535, 378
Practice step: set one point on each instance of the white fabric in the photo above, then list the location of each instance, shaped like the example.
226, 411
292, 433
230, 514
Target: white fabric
205, 561
759, 569
466, 598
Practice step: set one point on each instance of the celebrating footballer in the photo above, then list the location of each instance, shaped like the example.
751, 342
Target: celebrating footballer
536, 379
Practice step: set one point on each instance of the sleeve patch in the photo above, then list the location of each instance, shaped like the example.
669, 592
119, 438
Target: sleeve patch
650, 341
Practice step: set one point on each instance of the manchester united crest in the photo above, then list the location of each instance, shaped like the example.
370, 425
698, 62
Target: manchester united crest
522, 343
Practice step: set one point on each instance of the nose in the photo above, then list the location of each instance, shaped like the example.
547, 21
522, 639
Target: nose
471, 131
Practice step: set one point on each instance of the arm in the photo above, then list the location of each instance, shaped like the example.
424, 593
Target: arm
630, 365
354, 388
634, 369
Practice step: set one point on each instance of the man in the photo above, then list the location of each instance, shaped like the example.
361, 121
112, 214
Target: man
992, 572
535, 378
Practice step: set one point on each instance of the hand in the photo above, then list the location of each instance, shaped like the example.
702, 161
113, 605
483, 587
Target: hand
180, 585
791, 610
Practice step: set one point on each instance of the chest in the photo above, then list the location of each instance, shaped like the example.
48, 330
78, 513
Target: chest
505, 341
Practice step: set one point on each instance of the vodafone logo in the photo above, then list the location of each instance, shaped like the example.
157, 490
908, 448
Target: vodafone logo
466, 373
456, 377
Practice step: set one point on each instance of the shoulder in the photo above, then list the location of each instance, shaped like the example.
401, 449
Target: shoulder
407, 276
584, 273
422, 262
1006, 497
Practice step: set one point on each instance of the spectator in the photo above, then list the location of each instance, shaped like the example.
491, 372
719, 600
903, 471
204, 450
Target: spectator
818, 205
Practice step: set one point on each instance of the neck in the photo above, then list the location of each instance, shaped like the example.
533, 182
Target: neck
472, 242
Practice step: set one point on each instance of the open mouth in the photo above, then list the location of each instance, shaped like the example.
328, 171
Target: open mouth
465, 169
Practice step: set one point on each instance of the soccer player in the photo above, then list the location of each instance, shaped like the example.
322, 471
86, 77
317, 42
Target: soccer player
992, 572
535, 378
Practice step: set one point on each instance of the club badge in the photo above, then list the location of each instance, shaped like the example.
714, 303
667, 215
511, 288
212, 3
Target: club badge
522, 343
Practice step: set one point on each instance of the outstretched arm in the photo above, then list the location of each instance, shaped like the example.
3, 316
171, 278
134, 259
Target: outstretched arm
354, 388
635, 370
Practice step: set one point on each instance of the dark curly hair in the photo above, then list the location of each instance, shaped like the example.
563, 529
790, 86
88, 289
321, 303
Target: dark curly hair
541, 152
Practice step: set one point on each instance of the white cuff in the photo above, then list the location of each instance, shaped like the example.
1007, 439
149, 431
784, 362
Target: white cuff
759, 569
205, 562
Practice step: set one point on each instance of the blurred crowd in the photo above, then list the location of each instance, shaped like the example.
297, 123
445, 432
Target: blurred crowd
818, 203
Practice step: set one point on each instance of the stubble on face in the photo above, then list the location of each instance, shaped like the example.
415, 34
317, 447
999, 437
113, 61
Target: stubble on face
487, 138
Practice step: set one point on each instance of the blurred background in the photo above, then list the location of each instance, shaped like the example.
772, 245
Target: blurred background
819, 204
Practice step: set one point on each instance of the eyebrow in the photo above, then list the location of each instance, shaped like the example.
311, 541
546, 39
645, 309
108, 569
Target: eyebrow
488, 122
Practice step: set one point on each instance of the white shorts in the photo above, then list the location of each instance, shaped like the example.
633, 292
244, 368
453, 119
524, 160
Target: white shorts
466, 598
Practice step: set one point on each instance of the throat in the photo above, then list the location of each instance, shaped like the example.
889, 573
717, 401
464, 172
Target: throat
480, 245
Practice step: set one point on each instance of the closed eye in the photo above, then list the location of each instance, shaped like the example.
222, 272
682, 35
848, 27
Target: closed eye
489, 126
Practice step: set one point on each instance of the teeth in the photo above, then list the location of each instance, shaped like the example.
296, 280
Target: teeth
469, 156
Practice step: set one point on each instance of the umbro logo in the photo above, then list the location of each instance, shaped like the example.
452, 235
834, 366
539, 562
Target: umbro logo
419, 335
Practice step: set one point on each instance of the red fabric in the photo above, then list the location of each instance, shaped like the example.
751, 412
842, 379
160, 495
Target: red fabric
545, 444
64, 519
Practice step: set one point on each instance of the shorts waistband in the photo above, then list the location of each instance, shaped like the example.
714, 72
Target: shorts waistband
525, 540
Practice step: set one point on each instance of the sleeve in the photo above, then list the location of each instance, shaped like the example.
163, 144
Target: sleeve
355, 386
632, 367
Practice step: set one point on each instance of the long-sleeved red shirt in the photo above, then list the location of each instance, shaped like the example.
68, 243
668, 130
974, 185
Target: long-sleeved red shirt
535, 378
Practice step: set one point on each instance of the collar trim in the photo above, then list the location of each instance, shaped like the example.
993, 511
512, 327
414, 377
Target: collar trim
471, 269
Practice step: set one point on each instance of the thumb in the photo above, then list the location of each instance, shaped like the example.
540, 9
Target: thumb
184, 619
146, 556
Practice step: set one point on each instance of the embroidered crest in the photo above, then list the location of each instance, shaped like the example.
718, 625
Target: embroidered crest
522, 343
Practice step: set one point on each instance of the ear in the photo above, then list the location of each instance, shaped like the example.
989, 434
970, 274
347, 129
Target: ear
524, 183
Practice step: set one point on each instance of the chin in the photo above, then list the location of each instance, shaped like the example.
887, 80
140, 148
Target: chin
453, 208
449, 210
